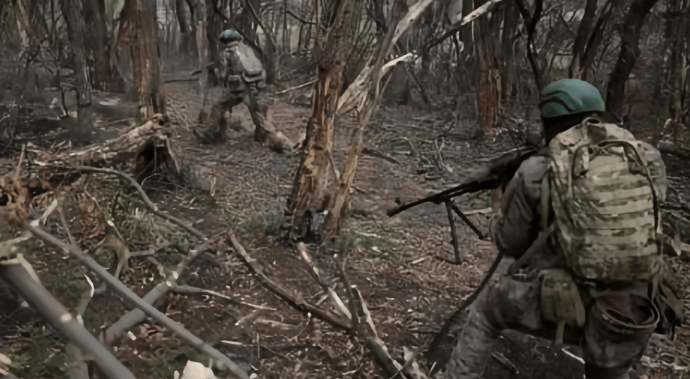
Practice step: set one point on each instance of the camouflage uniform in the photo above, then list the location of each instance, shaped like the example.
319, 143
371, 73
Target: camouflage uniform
243, 79
514, 300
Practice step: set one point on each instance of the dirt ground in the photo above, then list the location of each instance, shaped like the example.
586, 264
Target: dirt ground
394, 261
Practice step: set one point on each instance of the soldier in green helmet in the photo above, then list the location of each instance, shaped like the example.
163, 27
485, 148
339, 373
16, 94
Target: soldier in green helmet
579, 224
243, 78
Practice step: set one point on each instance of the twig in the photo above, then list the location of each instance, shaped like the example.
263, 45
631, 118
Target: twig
137, 316
299, 18
294, 88
86, 295
324, 286
189, 290
135, 301
147, 201
294, 301
342, 264
56, 314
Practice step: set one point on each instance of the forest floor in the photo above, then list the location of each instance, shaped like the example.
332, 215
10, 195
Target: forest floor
394, 261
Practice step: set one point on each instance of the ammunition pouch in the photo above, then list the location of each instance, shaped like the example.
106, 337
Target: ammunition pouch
670, 310
561, 302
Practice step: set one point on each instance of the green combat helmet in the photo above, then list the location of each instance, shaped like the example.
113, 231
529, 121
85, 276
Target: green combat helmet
568, 97
229, 36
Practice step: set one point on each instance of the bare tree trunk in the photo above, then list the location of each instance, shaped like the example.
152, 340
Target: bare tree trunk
531, 19
490, 67
583, 32
138, 40
331, 51
184, 18
75, 30
105, 77
615, 100
511, 20
365, 96
588, 39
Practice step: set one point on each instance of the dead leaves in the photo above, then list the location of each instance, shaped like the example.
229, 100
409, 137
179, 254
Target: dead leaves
14, 198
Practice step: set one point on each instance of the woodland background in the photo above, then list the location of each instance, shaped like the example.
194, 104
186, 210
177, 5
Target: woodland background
281, 255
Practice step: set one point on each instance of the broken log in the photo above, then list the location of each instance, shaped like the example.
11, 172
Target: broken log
147, 146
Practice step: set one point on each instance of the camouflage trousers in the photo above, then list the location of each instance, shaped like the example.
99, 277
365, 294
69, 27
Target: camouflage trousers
256, 101
514, 302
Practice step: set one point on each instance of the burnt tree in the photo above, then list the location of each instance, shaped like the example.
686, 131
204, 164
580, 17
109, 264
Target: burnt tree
630, 51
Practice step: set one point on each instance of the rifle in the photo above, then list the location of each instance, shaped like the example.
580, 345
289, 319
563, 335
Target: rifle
498, 173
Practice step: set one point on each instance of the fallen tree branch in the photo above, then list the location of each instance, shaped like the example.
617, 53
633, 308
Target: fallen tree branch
293, 300
135, 301
314, 272
671, 148
367, 330
57, 315
147, 201
137, 316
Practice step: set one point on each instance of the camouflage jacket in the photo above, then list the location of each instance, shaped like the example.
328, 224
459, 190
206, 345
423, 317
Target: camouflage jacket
517, 227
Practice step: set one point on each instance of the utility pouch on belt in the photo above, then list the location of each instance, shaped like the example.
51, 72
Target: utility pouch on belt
670, 309
561, 301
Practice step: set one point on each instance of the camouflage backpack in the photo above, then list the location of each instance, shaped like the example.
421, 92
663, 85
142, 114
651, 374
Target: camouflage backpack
244, 66
605, 203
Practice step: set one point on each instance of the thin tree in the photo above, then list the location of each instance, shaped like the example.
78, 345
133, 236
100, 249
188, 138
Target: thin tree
331, 51
588, 38
630, 51
75, 31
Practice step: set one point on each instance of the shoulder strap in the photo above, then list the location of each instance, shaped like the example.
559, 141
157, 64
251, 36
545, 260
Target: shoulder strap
545, 200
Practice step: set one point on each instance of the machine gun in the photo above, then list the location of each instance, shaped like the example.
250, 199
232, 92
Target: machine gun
496, 174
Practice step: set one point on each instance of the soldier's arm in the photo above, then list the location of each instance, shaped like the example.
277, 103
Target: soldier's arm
517, 225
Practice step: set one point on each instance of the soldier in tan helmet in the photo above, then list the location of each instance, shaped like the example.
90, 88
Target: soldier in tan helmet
581, 219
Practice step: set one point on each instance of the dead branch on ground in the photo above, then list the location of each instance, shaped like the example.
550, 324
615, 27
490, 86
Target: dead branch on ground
294, 301
137, 316
136, 302
314, 272
147, 201
21, 280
